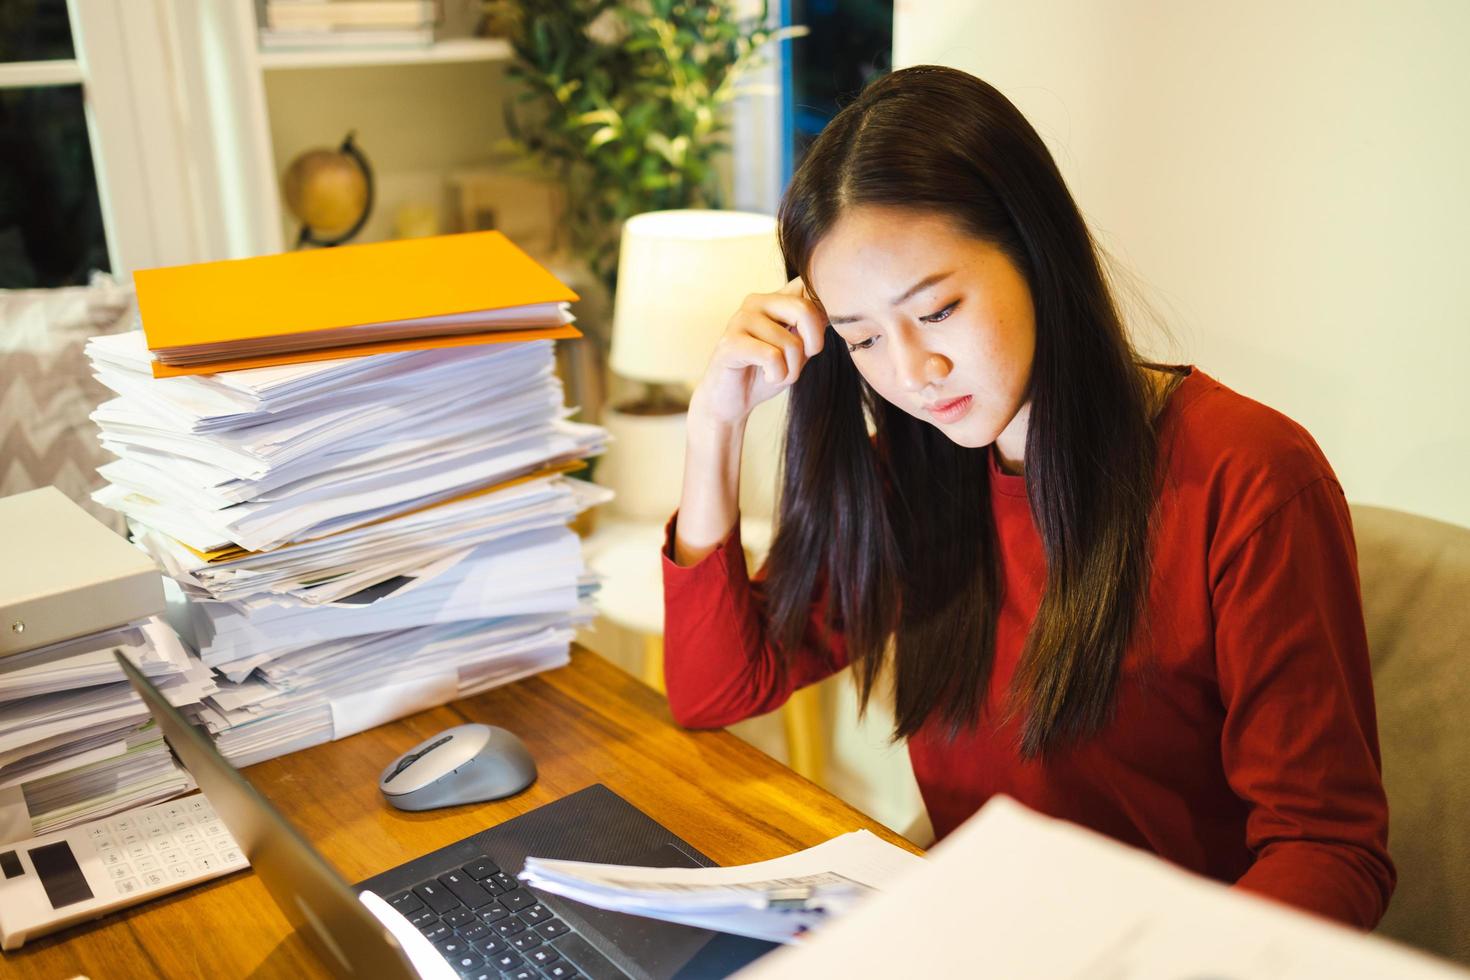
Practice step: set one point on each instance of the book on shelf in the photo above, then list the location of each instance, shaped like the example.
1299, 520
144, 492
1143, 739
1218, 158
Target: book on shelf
347, 40
339, 14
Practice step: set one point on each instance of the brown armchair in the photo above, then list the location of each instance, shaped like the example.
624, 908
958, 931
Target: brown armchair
1415, 575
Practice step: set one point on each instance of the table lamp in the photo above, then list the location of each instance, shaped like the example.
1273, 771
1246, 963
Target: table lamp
681, 276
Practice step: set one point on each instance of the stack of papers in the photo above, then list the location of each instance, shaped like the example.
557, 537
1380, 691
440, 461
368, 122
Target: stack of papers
780, 900
350, 539
76, 742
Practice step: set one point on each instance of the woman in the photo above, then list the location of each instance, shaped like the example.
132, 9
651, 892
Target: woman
1120, 593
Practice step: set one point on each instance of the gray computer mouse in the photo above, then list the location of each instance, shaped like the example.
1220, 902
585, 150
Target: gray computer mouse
465, 764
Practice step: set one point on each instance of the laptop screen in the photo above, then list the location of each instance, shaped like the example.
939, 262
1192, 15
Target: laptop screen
350, 940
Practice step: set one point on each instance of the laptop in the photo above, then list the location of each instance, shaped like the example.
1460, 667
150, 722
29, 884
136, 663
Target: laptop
465, 898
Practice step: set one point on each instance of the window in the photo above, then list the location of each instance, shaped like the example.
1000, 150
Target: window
51, 231
850, 44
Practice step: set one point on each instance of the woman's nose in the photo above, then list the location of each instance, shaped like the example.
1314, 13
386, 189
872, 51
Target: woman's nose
915, 365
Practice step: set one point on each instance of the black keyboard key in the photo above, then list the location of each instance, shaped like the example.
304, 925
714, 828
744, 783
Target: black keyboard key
526, 942
553, 929
451, 946
493, 912
468, 960
542, 955
491, 945
480, 973
423, 917
473, 931
459, 917
536, 913
436, 896
507, 960
481, 868
509, 927
436, 932
406, 903
560, 971
463, 887
505, 881
522, 973
517, 900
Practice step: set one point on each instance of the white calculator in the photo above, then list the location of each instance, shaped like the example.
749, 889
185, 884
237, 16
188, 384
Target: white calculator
52, 881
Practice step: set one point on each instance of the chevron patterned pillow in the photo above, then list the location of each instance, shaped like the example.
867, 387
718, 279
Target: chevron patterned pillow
47, 390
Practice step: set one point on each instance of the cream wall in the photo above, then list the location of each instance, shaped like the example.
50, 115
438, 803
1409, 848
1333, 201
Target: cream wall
1288, 182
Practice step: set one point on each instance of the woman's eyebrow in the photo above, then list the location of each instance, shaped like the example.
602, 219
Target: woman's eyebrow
924, 283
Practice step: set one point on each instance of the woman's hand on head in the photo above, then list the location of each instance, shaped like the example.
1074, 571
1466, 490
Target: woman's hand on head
762, 352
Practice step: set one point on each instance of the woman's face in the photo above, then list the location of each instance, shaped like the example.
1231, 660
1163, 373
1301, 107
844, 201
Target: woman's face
938, 322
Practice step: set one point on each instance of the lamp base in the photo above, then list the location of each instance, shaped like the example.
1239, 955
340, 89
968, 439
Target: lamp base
644, 462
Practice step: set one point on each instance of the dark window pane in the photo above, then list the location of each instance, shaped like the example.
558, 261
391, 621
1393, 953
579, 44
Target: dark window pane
34, 30
850, 44
50, 220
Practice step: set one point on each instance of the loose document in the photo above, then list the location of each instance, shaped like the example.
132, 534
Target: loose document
1014, 894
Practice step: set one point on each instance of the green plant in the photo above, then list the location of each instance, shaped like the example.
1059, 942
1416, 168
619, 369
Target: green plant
626, 105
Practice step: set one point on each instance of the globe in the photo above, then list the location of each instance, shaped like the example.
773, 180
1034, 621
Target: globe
330, 192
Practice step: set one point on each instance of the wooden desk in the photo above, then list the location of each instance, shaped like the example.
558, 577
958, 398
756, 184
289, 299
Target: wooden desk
586, 723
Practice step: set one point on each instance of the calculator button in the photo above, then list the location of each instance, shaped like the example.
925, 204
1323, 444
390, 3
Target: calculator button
139, 850
147, 863
153, 878
112, 856
198, 804
190, 836
206, 863
198, 850
119, 871
213, 829
178, 872
232, 856
131, 837
120, 825
178, 823
104, 843
97, 833
127, 886
172, 856
172, 810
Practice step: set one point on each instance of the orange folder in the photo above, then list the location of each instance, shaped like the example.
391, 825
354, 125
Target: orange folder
242, 300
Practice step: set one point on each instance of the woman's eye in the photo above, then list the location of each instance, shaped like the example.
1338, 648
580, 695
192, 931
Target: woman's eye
941, 315
861, 345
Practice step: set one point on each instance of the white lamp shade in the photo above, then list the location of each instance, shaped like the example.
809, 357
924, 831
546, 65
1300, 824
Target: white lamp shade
681, 276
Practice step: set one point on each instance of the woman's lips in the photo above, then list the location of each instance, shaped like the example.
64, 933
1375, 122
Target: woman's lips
950, 411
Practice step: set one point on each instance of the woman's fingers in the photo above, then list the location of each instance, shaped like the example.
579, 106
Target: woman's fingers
794, 312
791, 347
745, 350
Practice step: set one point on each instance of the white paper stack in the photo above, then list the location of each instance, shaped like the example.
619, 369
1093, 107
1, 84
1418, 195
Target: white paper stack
781, 900
352, 540
76, 742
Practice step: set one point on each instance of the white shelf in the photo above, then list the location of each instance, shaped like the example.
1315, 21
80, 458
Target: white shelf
441, 52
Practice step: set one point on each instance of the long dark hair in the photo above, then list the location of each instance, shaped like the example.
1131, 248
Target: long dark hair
897, 530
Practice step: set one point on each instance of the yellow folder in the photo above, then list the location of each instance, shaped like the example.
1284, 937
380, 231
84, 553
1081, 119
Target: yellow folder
245, 301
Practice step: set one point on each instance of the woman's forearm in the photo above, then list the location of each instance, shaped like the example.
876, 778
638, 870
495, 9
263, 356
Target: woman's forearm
710, 503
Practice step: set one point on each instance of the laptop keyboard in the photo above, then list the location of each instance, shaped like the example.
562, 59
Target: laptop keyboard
488, 926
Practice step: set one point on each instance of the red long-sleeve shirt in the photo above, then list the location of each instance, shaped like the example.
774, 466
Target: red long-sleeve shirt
1244, 745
